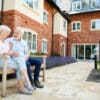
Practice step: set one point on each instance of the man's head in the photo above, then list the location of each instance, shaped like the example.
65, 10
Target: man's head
4, 31
18, 33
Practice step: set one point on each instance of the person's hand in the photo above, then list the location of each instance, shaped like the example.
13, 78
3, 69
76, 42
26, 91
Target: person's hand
16, 54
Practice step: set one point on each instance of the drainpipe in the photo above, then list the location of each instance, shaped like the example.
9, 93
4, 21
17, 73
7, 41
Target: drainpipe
52, 34
2, 8
67, 40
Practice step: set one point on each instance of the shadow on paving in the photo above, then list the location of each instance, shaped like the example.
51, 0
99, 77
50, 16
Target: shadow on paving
94, 76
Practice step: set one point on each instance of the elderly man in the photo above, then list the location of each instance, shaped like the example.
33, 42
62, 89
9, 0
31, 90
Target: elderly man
29, 60
5, 49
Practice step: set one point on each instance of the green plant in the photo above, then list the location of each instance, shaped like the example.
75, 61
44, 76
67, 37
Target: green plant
56, 54
37, 53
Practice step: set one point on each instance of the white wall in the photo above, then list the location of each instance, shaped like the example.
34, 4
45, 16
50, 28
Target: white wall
58, 25
20, 6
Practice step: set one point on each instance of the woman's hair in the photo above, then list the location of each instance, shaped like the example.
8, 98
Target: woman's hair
5, 28
20, 29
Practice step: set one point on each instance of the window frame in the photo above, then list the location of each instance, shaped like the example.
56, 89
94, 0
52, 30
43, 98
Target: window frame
95, 3
64, 28
45, 21
43, 46
75, 5
33, 8
76, 28
95, 20
33, 33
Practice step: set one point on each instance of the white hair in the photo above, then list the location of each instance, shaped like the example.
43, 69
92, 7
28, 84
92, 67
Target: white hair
5, 28
20, 29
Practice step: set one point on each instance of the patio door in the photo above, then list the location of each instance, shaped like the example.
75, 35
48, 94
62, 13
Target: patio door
88, 52
80, 52
63, 49
84, 51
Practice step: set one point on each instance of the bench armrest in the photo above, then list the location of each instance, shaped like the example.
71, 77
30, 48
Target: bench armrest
4, 60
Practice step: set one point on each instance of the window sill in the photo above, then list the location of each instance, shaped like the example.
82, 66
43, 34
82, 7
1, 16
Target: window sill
44, 22
76, 31
95, 29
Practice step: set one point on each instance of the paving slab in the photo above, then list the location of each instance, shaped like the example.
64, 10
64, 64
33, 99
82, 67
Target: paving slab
68, 82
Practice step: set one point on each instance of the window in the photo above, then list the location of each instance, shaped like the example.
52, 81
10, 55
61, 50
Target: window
77, 5
44, 45
95, 24
64, 25
45, 17
32, 4
95, 3
76, 26
31, 40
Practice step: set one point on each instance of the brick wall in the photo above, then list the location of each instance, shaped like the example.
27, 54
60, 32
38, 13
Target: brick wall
85, 35
57, 40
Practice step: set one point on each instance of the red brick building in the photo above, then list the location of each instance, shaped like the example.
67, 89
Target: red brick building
36, 19
84, 29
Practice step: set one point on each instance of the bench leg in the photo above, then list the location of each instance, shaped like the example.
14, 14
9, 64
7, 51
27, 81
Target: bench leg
4, 80
43, 74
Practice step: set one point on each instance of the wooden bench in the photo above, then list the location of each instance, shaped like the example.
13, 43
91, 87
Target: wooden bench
5, 71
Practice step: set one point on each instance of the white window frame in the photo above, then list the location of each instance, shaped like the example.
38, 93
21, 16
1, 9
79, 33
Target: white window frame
95, 21
75, 5
45, 20
76, 26
95, 3
42, 45
33, 33
33, 5
64, 28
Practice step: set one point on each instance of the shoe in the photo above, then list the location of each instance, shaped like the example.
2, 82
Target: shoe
33, 85
28, 92
29, 87
38, 84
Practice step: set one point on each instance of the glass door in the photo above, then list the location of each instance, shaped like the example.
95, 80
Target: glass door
81, 52
88, 52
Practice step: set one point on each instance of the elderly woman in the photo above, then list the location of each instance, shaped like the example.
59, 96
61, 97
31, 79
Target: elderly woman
24, 84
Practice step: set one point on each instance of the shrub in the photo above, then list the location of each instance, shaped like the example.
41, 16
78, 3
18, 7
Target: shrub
54, 61
55, 54
37, 53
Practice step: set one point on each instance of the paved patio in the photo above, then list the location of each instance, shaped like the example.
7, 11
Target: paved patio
69, 82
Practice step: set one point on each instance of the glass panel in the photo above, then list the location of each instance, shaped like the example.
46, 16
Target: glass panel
73, 26
98, 24
29, 36
88, 51
78, 5
44, 46
34, 43
24, 37
29, 2
73, 6
35, 4
45, 17
98, 3
29, 45
93, 25
81, 52
78, 26
74, 51
64, 25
